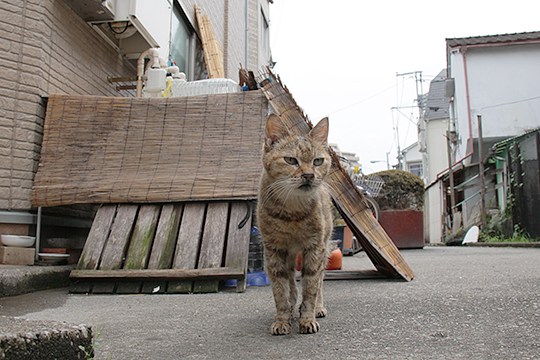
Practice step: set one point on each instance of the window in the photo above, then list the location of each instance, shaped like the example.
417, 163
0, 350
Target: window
416, 168
185, 49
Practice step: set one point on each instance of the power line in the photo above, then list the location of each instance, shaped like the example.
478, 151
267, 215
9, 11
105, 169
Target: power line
361, 101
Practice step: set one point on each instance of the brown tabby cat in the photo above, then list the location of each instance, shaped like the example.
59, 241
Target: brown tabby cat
295, 215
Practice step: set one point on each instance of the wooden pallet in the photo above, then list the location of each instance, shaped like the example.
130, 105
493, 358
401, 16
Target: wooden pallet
165, 248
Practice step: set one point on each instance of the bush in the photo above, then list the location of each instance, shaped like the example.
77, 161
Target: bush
401, 190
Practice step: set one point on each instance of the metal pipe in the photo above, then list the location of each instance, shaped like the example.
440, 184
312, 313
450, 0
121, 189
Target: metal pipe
38, 233
153, 54
481, 173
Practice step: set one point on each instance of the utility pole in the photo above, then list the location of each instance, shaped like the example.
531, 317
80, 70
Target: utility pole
420, 101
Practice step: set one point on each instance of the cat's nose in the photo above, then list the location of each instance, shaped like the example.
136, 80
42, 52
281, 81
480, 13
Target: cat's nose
308, 177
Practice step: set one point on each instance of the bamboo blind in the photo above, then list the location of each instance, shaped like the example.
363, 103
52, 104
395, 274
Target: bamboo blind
118, 150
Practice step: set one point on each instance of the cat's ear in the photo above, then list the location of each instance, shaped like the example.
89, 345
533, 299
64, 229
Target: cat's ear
275, 129
320, 132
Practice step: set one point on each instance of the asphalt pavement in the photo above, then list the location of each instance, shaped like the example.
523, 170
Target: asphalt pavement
465, 303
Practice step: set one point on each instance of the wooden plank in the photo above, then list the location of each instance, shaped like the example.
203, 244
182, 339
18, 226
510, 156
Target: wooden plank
161, 256
139, 274
140, 245
187, 246
116, 246
238, 240
352, 274
213, 243
97, 237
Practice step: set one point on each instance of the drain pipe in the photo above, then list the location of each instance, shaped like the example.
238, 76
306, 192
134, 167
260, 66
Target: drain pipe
38, 234
153, 54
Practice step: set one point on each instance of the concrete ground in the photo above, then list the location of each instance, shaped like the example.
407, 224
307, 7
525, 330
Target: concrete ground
465, 303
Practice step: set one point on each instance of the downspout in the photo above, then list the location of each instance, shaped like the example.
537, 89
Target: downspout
153, 54
464, 55
246, 35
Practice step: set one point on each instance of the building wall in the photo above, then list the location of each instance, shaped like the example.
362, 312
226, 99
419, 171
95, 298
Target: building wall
411, 155
46, 48
433, 210
232, 31
503, 89
436, 148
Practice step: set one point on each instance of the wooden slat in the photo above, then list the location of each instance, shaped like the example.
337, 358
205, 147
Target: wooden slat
187, 246
352, 274
140, 245
238, 239
93, 248
213, 242
167, 274
116, 246
97, 237
162, 253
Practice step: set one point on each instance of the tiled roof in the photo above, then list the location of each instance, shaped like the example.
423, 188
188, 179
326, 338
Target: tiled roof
437, 102
494, 39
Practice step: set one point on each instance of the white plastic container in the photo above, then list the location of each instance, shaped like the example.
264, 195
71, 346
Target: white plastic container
156, 80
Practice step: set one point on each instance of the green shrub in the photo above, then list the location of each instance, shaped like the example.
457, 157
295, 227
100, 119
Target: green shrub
401, 190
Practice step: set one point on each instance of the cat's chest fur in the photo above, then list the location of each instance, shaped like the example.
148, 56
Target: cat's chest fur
296, 225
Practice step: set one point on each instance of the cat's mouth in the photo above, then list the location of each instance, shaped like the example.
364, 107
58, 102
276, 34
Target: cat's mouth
306, 186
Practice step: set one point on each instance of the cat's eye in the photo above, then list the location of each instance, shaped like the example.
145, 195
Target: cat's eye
290, 160
318, 161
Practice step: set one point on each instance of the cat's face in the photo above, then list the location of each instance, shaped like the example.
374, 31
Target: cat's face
296, 164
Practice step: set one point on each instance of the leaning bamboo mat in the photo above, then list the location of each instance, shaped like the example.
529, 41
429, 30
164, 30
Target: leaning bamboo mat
120, 150
350, 202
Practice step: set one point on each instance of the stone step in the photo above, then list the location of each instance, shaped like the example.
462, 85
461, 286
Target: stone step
30, 339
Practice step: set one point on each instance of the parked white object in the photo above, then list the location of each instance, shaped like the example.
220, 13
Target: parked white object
472, 235
18, 240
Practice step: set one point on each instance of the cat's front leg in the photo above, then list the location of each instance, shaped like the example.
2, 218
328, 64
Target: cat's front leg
320, 310
279, 271
312, 275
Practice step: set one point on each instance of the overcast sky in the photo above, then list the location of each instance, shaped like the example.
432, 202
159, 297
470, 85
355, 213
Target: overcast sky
341, 58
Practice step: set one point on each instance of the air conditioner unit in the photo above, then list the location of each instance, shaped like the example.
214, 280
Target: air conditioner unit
94, 10
135, 25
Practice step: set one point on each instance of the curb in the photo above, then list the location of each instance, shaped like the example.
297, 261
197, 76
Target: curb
506, 244
29, 339
17, 280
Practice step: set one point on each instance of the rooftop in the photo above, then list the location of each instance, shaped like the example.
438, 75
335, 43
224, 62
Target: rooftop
494, 39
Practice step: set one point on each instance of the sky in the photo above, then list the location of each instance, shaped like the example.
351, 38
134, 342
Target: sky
354, 61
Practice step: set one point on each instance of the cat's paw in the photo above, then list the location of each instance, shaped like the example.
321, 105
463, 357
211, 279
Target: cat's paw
321, 312
281, 328
309, 326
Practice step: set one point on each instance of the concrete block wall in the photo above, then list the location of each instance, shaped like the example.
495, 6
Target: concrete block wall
45, 48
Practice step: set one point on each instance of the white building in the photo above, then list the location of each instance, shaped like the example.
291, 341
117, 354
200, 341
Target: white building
496, 79
435, 158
